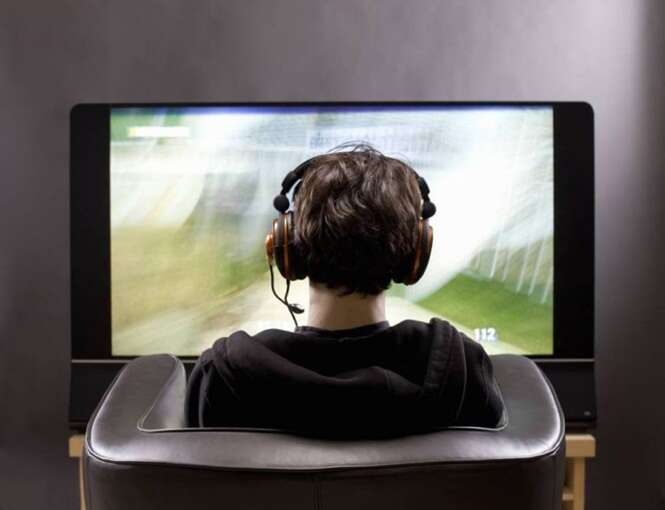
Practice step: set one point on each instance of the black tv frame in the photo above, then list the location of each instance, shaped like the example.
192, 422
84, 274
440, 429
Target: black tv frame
93, 365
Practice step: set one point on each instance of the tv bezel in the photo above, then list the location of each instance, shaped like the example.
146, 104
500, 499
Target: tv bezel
573, 306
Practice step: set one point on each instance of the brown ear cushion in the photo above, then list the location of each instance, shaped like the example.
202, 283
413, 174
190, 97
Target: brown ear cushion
279, 245
270, 249
285, 256
423, 252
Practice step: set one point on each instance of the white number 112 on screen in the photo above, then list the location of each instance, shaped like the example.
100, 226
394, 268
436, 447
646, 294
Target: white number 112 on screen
485, 334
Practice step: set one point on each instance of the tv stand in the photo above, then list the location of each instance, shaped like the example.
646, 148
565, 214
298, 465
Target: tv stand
579, 447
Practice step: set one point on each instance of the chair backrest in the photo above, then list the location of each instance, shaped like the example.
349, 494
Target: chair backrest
139, 455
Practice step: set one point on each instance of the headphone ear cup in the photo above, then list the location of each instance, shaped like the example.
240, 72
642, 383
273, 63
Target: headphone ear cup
416, 268
270, 247
426, 240
278, 244
286, 256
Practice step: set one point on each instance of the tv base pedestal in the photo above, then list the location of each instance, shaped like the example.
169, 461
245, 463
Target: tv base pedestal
579, 447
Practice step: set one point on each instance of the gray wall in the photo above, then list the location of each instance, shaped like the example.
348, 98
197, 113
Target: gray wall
56, 54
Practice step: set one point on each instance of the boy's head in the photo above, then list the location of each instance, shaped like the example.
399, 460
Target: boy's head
356, 219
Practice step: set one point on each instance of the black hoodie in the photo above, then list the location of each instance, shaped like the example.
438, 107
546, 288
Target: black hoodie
375, 379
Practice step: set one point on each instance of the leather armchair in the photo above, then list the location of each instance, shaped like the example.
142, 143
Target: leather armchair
139, 455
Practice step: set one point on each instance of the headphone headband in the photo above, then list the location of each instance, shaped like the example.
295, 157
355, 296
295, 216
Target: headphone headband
281, 201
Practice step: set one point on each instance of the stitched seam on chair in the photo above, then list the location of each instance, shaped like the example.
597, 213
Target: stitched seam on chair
300, 432
505, 419
165, 386
489, 464
555, 399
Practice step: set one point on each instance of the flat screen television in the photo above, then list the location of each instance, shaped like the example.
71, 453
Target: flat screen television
170, 204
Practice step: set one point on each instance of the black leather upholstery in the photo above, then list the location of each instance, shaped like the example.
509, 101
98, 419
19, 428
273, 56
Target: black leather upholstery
139, 456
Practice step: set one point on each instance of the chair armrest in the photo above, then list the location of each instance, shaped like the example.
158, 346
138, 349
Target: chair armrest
147, 394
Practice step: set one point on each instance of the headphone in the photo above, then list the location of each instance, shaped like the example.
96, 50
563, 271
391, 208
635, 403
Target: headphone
280, 240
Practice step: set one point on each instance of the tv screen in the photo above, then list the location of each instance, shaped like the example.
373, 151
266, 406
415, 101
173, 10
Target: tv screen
191, 192
170, 205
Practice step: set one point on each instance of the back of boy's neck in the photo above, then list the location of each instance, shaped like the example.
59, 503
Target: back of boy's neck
328, 310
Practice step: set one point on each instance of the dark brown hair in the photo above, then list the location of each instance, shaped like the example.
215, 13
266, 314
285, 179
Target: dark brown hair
356, 217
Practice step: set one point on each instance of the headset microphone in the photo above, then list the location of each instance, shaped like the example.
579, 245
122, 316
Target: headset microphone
296, 308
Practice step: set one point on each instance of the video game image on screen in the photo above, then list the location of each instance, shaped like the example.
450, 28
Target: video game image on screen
191, 194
